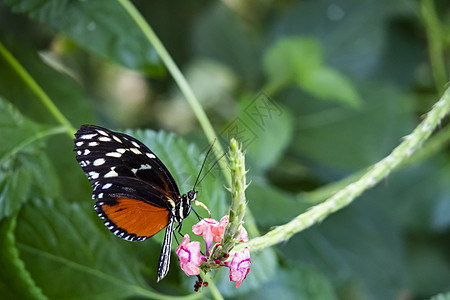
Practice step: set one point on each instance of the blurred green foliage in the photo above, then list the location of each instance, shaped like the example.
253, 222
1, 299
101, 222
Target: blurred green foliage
316, 91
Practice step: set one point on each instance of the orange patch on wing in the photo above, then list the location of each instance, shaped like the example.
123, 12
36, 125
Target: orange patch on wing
136, 216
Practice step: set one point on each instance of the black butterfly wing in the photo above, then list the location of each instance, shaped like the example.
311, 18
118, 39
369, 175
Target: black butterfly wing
135, 192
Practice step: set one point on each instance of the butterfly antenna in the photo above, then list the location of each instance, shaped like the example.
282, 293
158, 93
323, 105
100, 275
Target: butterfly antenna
212, 167
203, 164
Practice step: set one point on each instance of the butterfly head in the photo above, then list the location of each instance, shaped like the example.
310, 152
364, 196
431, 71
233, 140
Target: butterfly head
192, 195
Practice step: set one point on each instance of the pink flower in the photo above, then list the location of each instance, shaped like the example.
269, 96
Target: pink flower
243, 235
205, 228
239, 266
219, 229
189, 254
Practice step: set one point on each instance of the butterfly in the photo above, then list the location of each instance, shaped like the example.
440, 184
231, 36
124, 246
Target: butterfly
136, 194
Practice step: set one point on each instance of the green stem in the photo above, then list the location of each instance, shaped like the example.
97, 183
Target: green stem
45, 99
178, 77
238, 202
212, 287
344, 197
435, 43
433, 145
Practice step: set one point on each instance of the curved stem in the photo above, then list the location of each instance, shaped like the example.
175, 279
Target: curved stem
34, 86
347, 195
212, 287
435, 43
178, 77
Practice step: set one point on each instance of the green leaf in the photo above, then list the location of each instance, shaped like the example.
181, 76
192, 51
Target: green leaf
15, 281
102, 27
291, 58
443, 296
22, 161
62, 246
300, 60
329, 84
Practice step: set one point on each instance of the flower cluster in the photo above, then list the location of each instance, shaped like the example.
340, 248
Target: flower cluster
191, 259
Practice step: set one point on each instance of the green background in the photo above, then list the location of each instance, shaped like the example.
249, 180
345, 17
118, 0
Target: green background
316, 91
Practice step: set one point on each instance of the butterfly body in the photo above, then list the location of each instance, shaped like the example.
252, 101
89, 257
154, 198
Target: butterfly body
136, 195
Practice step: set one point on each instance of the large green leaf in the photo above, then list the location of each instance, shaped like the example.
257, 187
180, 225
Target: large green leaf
102, 27
70, 256
22, 161
58, 235
15, 281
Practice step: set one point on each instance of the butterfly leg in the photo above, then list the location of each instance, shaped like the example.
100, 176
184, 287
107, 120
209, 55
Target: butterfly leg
198, 216
164, 258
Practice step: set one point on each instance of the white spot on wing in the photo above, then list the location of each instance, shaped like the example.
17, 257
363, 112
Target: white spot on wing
87, 136
93, 175
78, 144
114, 154
117, 139
93, 144
135, 144
150, 155
107, 186
100, 196
104, 139
102, 132
111, 173
145, 167
135, 151
99, 161
121, 150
